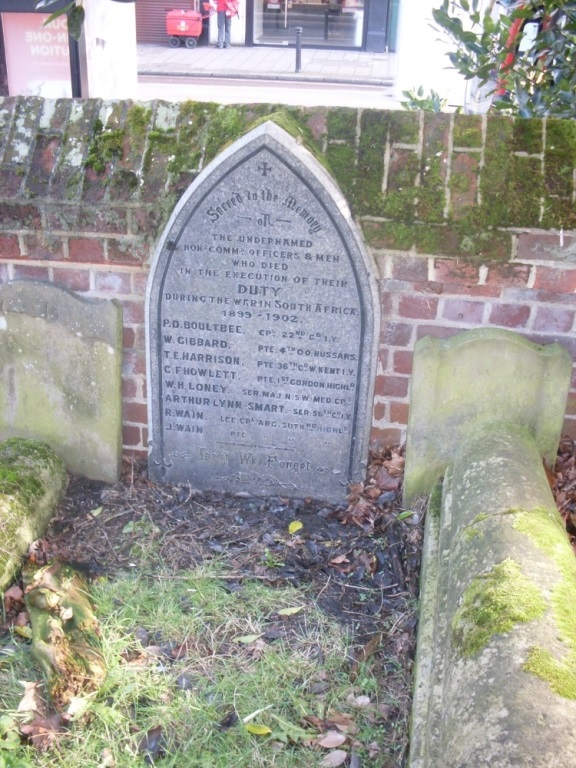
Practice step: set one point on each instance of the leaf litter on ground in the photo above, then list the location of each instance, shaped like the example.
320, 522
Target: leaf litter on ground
326, 610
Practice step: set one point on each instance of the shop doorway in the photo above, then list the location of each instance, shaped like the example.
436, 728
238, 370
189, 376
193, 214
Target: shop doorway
332, 24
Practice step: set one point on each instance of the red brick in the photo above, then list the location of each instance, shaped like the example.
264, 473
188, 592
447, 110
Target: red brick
140, 282
95, 185
379, 411
113, 282
9, 247
544, 247
383, 357
399, 412
146, 220
136, 413
569, 428
45, 153
410, 268
31, 273
465, 311
397, 334
391, 386
83, 249
73, 279
474, 291
456, 272
509, 315
128, 338
385, 437
133, 312
134, 363
131, 436
88, 219
438, 331
127, 252
553, 319
403, 361
129, 388
509, 275
429, 287
555, 280
418, 307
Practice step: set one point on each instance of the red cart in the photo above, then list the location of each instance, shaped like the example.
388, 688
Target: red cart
184, 25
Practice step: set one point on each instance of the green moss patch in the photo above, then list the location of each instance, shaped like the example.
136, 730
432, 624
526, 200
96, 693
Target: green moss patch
492, 605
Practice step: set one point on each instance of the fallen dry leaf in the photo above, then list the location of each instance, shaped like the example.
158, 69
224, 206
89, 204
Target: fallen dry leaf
334, 759
44, 732
331, 739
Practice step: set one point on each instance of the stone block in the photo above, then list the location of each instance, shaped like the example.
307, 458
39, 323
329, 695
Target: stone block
60, 375
480, 376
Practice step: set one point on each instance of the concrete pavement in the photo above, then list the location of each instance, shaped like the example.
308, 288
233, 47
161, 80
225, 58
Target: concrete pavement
268, 63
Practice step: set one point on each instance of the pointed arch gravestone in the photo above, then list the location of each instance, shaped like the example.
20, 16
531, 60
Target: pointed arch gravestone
262, 321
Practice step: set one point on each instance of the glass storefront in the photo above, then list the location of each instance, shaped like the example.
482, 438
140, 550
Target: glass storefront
333, 24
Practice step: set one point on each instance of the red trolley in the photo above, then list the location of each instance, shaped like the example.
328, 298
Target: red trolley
184, 25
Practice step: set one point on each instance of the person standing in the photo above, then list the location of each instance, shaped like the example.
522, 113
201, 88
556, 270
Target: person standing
225, 9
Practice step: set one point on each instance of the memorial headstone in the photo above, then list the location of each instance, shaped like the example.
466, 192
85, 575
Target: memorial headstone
261, 322
60, 375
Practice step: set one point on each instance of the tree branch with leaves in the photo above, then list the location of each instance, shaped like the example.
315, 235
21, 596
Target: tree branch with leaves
522, 53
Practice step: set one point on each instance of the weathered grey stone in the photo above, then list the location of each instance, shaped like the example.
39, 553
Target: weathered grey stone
32, 481
495, 681
261, 318
60, 374
495, 669
479, 375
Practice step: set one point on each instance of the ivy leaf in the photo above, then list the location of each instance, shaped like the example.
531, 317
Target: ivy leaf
76, 21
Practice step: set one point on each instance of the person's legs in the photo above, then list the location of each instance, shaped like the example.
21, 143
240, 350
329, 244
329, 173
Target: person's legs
228, 24
222, 22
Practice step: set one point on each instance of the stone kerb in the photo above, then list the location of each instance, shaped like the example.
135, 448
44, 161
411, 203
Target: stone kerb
496, 642
60, 375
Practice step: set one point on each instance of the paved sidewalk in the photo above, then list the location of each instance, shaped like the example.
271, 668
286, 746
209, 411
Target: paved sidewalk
267, 63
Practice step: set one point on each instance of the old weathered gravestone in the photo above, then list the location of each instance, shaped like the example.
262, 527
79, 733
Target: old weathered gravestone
60, 375
261, 318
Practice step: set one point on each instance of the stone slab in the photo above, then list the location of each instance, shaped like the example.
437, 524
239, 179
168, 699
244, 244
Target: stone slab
262, 320
494, 673
60, 375
480, 376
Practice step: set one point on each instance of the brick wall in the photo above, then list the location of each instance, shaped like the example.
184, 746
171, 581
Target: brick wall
471, 221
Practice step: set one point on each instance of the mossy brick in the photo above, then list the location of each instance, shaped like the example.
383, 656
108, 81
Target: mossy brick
11, 181
467, 131
7, 110
559, 213
124, 185
43, 246
433, 168
489, 245
24, 128
94, 186
525, 191
44, 159
341, 124
494, 180
55, 119
463, 182
404, 127
560, 157
391, 235
19, 216
403, 170
371, 158
78, 218
130, 251
342, 158
400, 205
528, 136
